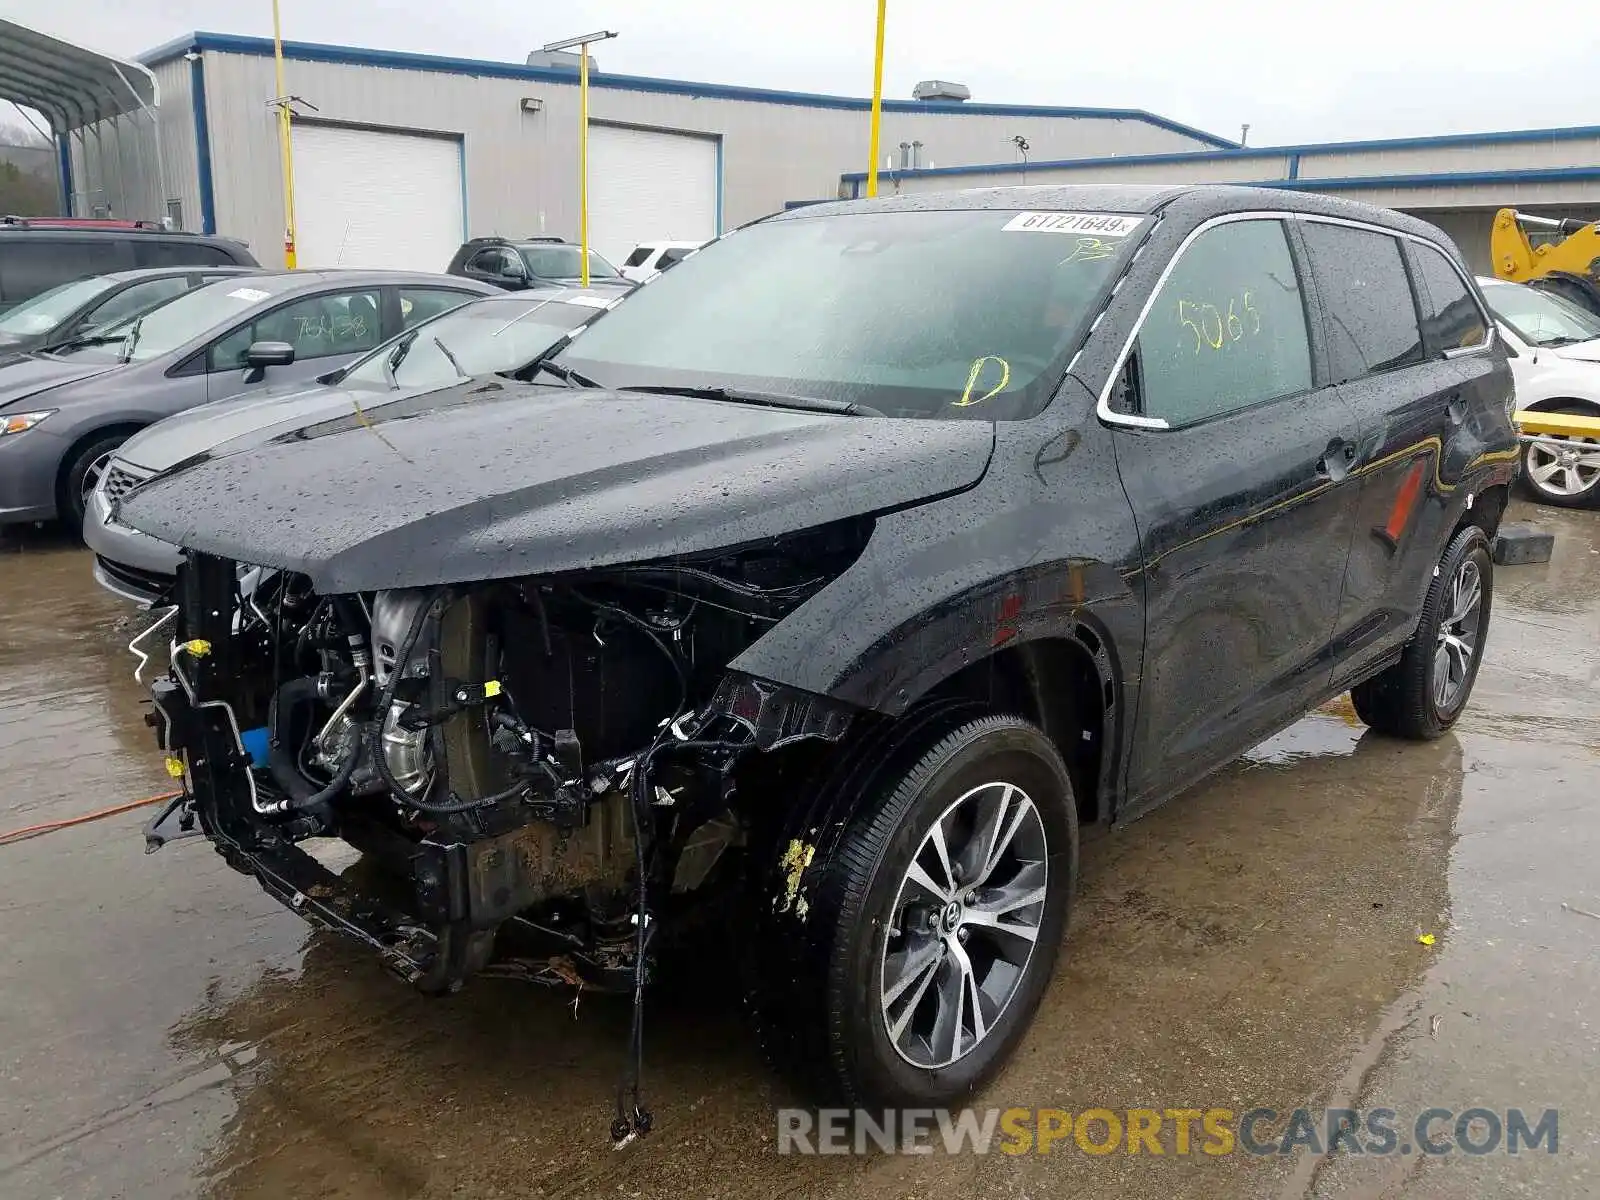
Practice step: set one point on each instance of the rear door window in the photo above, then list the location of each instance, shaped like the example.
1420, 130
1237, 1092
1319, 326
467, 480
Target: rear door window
1366, 295
418, 304
1451, 318
1227, 330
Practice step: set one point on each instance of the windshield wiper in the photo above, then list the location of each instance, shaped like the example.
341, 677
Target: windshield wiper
391, 364
454, 362
844, 408
565, 374
88, 339
1562, 339
131, 341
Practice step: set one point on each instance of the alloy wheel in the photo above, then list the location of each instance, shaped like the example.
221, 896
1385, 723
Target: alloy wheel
1459, 629
1571, 468
964, 924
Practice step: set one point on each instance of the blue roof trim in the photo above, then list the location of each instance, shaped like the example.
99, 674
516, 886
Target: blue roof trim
404, 60
1496, 138
1441, 179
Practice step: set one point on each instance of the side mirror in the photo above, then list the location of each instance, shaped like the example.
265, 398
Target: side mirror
515, 272
268, 354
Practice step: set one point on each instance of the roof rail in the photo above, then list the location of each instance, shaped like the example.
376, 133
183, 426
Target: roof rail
501, 239
14, 222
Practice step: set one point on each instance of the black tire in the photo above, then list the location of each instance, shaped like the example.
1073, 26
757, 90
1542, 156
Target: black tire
832, 905
1587, 495
76, 476
1404, 701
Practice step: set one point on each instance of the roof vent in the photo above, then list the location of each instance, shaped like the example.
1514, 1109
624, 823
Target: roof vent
939, 89
560, 60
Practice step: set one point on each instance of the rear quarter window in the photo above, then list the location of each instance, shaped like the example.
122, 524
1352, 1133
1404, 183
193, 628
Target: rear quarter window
1366, 297
1451, 318
173, 253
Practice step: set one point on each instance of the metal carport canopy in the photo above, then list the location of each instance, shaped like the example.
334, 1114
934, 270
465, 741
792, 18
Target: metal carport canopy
69, 84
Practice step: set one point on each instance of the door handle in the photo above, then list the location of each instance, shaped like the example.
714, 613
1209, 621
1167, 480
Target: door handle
1336, 460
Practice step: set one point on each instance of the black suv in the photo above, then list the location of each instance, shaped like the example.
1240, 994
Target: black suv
39, 253
514, 263
835, 580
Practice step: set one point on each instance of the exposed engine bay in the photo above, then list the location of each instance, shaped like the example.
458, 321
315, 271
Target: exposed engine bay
543, 771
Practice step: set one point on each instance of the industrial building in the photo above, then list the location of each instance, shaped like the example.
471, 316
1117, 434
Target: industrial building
1455, 181
398, 157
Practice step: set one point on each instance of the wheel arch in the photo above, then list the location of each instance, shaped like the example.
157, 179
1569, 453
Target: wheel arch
1067, 685
87, 438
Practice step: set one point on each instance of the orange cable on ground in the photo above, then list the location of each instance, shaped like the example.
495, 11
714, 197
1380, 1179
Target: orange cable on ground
32, 831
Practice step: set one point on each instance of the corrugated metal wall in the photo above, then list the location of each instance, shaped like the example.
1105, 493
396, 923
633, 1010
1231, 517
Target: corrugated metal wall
177, 140
521, 167
116, 170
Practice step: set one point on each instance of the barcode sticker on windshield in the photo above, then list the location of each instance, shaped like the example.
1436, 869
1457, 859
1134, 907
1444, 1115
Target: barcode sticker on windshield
253, 295
1102, 224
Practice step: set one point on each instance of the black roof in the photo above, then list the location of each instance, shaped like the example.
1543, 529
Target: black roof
1192, 200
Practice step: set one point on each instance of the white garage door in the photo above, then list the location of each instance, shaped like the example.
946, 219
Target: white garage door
366, 199
645, 185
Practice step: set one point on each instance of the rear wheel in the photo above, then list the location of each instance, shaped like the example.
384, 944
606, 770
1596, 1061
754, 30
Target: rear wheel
918, 943
1564, 471
1423, 694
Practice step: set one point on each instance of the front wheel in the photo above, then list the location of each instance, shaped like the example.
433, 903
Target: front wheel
1421, 696
935, 920
80, 477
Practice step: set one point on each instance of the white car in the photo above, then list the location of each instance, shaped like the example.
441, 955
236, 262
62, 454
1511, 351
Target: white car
1555, 361
651, 258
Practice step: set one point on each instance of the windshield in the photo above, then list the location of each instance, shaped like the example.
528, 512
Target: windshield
484, 337
1539, 318
565, 262
161, 330
940, 313
45, 311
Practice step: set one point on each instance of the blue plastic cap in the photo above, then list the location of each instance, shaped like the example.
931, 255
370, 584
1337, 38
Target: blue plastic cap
255, 745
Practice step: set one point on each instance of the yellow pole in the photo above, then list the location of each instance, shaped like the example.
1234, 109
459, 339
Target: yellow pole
877, 102
285, 143
583, 160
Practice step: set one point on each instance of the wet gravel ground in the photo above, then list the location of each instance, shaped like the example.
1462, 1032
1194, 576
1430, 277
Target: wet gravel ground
167, 1031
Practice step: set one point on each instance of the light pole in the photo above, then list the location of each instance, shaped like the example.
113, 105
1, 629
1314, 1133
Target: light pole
877, 102
582, 44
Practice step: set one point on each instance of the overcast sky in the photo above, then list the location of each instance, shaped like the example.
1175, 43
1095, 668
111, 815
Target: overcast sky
1295, 72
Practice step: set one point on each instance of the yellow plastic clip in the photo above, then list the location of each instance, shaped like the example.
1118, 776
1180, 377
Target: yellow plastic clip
175, 767
197, 647
978, 364
491, 688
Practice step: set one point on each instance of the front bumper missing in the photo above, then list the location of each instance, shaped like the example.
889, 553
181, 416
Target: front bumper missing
448, 897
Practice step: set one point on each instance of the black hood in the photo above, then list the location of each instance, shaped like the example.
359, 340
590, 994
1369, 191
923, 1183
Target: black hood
502, 480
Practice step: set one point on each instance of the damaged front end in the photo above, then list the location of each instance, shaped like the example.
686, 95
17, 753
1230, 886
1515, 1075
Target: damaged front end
550, 763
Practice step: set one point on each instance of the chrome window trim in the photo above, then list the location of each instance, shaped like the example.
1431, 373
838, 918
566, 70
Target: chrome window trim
1103, 408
